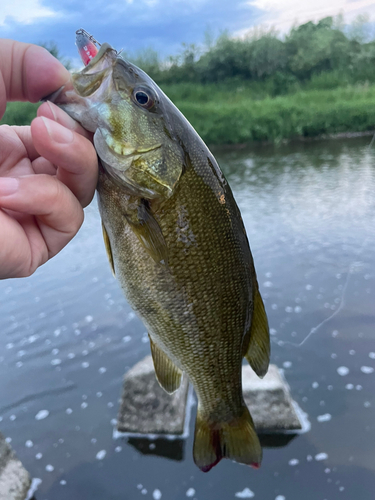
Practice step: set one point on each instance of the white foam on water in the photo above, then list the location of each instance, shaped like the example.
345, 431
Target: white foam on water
246, 493
101, 454
324, 418
367, 369
321, 456
42, 414
156, 494
35, 482
293, 462
343, 370
190, 492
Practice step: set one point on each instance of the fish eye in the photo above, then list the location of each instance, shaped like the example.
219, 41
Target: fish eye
144, 98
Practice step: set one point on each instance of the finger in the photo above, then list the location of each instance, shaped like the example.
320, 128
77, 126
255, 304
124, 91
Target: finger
28, 72
73, 154
51, 111
24, 133
58, 212
43, 166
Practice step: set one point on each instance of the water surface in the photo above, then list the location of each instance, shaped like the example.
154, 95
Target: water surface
68, 336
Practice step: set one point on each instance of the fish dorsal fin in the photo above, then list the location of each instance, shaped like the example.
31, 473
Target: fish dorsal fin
258, 350
149, 233
167, 373
108, 248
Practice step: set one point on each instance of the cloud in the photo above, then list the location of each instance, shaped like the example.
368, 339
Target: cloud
23, 11
282, 14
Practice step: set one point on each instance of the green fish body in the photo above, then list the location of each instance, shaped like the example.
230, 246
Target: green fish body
177, 244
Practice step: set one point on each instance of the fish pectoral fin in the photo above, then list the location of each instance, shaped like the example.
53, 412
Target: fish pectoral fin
108, 248
167, 373
235, 439
258, 350
149, 233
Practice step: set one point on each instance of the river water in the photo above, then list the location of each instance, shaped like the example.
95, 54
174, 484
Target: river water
68, 336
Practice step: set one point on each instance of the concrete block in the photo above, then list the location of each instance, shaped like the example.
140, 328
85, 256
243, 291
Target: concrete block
146, 408
269, 401
14, 479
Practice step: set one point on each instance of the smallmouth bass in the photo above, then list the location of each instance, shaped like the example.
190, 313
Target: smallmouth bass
177, 244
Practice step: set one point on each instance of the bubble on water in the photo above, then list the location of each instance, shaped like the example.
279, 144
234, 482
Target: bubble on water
118, 449
110, 404
8, 440
315, 385
127, 338
371, 355
12, 418
268, 284
289, 309
190, 492
89, 319
335, 333
19, 364
309, 458
55, 362
21, 353
85, 364
55, 351
333, 355
99, 394
63, 482
367, 404
71, 355
69, 411
367, 369
38, 456
352, 352
102, 370
349, 387
101, 454
343, 370
10, 345
309, 287
273, 331
321, 456
144, 491
324, 418
246, 493
274, 307
84, 405
358, 387
114, 422
139, 486
280, 497
297, 309
29, 443
293, 462
50, 468
57, 332
41, 414
287, 364
156, 494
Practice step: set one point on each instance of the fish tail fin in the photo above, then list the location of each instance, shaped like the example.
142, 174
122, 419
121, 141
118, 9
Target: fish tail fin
235, 439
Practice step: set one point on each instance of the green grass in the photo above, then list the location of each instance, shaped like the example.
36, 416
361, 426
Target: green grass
238, 113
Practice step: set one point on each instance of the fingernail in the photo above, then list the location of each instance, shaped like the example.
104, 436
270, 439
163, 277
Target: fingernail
52, 110
8, 185
57, 132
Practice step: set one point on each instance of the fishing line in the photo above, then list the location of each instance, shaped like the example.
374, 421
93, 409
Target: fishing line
341, 305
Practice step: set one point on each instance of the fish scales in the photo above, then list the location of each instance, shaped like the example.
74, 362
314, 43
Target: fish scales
178, 246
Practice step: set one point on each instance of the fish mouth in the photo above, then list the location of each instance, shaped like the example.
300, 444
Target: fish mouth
123, 149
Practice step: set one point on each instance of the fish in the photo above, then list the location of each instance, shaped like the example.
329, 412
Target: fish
177, 245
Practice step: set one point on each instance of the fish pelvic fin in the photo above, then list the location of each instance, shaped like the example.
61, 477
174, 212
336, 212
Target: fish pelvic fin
236, 440
259, 349
167, 373
108, 248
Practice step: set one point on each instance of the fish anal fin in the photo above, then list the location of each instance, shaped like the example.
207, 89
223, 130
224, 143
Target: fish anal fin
167, 373
108, 248
258, 349
235, 439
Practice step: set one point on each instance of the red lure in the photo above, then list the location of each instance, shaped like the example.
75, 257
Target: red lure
87, 46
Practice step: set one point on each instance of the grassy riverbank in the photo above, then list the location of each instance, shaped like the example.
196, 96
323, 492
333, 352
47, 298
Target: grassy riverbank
231, 114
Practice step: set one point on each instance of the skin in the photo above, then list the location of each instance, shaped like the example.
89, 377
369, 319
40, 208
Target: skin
48, 171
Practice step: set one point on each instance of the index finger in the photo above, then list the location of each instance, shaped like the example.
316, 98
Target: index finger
28, 72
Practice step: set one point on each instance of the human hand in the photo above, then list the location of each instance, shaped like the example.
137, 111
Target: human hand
48, 172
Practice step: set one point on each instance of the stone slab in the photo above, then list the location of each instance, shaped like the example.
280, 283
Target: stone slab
146, 408
14, 479
269, 401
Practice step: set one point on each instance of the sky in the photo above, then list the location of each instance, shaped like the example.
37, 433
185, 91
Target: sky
164, 25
